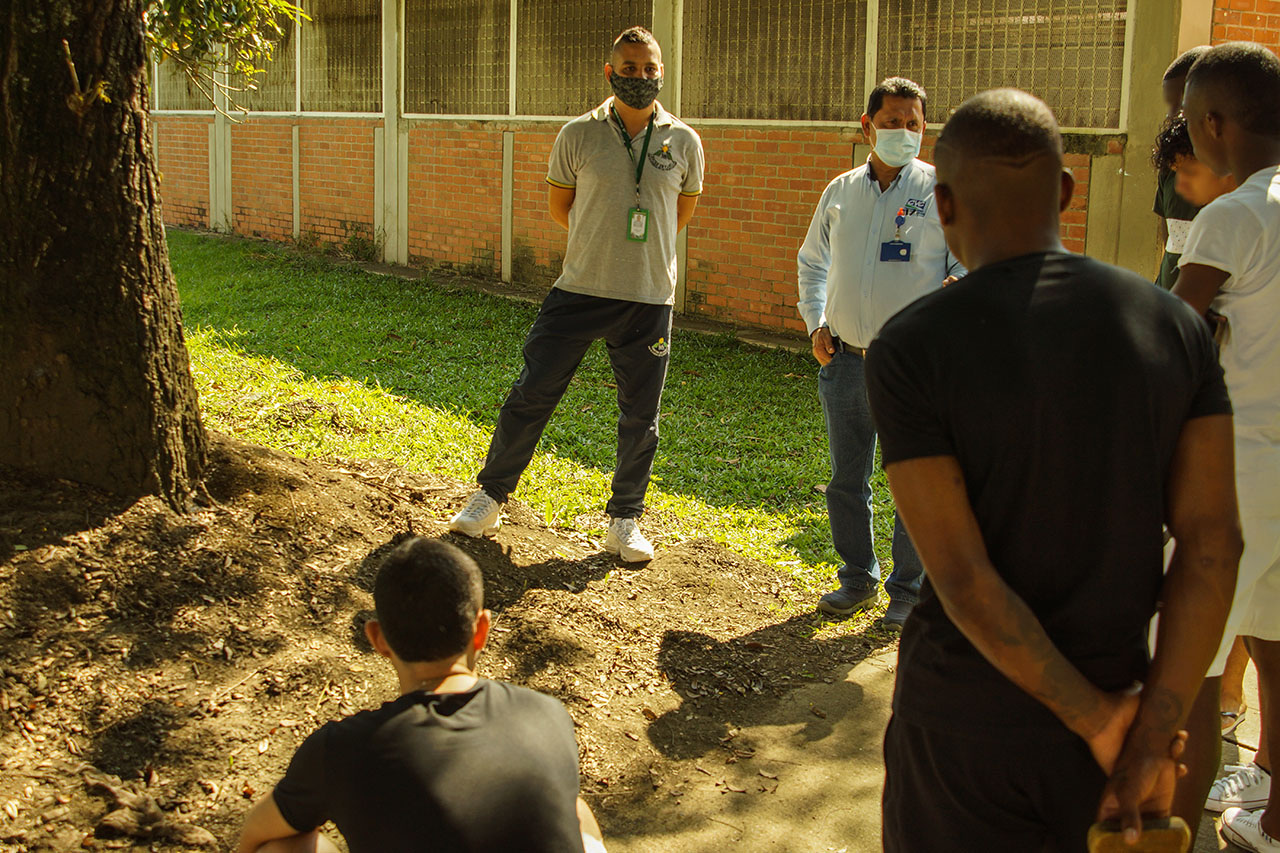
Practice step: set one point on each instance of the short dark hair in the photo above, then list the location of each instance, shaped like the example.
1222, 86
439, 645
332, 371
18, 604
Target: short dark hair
897, 87
635, 35
1172, 142
1180, 66
427, 595
1007, 123
1245, 78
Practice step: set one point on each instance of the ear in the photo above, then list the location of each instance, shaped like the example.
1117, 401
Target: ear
865, 121
608, 70
945, 202
1213, 122
484, 619
1067, 190
373, 632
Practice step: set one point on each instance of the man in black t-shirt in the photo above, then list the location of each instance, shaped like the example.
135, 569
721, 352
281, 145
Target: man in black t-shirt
456, 763
1040, 420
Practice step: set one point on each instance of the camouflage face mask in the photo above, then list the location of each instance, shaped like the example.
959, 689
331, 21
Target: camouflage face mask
635, 92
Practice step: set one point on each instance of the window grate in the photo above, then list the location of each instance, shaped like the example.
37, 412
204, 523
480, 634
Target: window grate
175, 92
277, 86
561, 50
456, 56
774, 59
1070, 54
342, 56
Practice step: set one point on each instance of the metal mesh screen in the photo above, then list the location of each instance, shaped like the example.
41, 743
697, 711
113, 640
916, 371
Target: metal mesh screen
276, 86
456, 56
1068, 52
342, 56
175, 92
774, 59
561, 49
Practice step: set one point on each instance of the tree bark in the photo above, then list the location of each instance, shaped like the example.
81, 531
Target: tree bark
95, 384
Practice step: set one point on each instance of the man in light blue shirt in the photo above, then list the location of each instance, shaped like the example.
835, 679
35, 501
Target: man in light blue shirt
874, 246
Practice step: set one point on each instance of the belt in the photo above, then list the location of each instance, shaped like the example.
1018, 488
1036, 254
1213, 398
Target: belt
841, 346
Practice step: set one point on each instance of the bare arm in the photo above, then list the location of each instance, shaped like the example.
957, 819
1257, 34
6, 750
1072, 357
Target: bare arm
264, 823
1196, 598
1198, 284
559, 200
685, 205
1163, 231
931, 498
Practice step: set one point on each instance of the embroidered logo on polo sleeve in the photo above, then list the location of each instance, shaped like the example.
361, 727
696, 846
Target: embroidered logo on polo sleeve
662, 159
660, 348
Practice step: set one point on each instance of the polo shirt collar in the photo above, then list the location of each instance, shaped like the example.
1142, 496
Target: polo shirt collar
662, 119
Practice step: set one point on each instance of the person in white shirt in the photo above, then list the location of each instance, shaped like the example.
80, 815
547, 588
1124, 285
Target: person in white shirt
1231, 264
873, 247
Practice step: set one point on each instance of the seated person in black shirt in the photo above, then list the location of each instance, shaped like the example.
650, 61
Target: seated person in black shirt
456, 763
1040, 419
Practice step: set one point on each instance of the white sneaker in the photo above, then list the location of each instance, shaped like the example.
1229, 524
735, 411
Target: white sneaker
1246, 786
1244, 829
626, 540
480, 517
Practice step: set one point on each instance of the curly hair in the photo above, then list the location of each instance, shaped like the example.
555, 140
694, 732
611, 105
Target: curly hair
1172, 142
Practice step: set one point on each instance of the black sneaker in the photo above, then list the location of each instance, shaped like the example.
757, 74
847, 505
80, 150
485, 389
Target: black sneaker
895, 616
846, 602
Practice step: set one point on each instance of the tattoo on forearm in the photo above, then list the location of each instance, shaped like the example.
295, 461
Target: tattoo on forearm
1161, 709
1059, 684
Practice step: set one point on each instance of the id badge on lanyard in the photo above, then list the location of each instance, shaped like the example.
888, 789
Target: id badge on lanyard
897, 249
637, 217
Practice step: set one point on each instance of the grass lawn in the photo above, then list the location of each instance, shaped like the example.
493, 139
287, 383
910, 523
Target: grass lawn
303, 353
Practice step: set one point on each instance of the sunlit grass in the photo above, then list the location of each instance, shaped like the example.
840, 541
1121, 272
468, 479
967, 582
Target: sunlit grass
324, 360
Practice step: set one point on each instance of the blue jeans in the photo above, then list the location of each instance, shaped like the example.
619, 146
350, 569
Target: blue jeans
851, 437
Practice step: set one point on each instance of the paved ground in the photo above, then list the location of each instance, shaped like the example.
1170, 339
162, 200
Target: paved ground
828, 773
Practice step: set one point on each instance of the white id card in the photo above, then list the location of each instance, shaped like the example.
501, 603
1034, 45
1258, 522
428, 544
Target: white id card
638, 224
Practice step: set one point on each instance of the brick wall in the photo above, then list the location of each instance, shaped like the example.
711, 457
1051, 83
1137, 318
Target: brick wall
262, 178
455, 196
757, 199
336, 178
182, 143
537, 242
759, 195
1247, 20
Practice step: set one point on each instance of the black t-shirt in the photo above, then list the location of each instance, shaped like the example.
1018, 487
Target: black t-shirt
494, 768
1061, 385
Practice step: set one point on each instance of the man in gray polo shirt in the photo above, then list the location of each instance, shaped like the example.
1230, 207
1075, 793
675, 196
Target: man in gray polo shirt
624, 179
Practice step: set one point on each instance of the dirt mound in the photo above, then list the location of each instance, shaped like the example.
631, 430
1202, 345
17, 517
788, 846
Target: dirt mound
189, 655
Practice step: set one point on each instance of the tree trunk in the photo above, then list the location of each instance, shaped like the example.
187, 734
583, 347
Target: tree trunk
95, 385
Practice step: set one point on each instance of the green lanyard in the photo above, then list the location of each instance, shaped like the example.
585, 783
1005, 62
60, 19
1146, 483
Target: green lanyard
644, 151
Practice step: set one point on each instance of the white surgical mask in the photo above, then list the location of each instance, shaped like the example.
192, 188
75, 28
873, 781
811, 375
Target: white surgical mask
897, 146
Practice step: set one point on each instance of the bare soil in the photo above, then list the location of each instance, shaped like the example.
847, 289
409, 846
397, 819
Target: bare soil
158, 670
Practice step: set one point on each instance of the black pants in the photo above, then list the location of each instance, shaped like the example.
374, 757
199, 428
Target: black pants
1024, 792
638, 336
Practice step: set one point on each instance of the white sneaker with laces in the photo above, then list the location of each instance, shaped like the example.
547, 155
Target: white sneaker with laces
480, 517
1246, 786
1244, 829
626, 540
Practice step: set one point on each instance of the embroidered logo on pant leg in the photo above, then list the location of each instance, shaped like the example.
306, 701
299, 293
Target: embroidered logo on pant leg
660, 348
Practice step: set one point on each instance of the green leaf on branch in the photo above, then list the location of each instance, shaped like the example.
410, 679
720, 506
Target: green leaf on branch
211, 40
